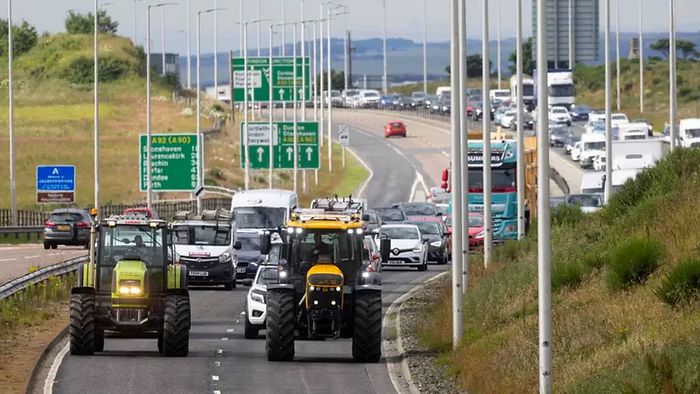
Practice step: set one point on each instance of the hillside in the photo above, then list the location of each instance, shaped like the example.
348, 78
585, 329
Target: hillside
625, 305
54, 123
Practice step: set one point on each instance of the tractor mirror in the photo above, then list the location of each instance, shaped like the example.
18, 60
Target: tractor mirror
365, 218
237, 245
445, 175
265, 243
385, 248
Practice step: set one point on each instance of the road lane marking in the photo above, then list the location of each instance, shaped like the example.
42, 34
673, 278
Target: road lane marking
224, 338
2, 260
217, 363
48, 383
219, 351
445, 154
238, 320
230, 330
215, 378
31, 257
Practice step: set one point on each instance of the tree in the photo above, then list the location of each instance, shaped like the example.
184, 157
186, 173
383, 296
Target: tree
474, 69
24, 38
686, 48
337, 81
528, 61
77, 23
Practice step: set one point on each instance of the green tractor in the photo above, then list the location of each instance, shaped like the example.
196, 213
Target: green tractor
130, 286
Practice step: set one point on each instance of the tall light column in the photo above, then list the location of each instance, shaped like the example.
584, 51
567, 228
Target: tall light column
486, 140
11, 117
321, 127
330, 105
425, 46
189, 48
461, 97
385, 79
520, 183
608, 104
96, 115
617, 52
258, 26
456, 185
640, 52
498, 45
135, 24
571, 34
216, 51
294, 111
162, 38
544, 244
270, 118
346, 52
672, 73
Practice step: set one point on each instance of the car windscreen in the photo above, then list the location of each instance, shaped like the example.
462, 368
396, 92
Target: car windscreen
584, 200
131, 243
428, 228
211, 235
65, 217
268, 276
476, 221
400, 232
249, 243
594, 145
499, 177
260, 217
692, 133
397, 125
501, 94
391, 214
419, 209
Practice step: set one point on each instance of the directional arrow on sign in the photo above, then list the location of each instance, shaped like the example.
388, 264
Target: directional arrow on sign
290, 153
282, 92
260, 154
309, 151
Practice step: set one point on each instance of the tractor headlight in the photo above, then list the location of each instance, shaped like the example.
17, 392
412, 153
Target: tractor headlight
283, 274
225, 257
437, 244
130, 287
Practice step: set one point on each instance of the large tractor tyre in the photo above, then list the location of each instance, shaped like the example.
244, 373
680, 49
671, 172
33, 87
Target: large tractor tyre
176, 325
99, 340
250, 331
160, 341
280, 325
82, 324
367, 340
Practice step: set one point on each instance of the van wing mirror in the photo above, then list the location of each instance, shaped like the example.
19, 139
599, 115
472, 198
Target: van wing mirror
237, 245
385, 248
265, 243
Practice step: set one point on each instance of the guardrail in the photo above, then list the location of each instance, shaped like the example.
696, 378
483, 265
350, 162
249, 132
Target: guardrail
21, 283
28, 231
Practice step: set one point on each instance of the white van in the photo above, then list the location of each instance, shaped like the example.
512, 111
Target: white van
263, 208
592, 145
593, 183
689, 133
498, 96
633, 131
442, 90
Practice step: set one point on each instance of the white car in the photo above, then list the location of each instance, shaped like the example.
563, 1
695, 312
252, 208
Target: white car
508, 119
618, 119
368, 98
560, 115
576, 151
599, 162
407, 246
255, 305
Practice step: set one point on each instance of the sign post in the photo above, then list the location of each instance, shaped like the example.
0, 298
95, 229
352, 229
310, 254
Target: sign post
281, 139
344, 140
174, 162
55, 184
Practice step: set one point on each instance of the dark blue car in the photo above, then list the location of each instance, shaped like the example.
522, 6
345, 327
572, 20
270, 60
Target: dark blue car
579, 112
249, 257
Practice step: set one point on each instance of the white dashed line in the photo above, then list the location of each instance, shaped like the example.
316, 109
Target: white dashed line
31, 257
224, 338
243, 313
215, 378
219, 351
217, 392
217, 363
445, 153
238, 320
3, 260
230, 330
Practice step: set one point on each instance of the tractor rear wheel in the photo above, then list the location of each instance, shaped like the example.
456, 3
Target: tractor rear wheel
280, 325
176, 325
367, 340
99, 340
82, 324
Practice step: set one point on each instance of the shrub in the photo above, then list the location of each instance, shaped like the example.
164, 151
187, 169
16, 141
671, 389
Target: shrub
568, 274
632, 262
567, 215
682, 284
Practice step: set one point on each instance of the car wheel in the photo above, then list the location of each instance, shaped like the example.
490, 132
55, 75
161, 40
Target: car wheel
46, 246
54, 246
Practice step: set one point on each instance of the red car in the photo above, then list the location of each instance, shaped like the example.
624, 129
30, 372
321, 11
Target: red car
476, 229
149, 213
394, 128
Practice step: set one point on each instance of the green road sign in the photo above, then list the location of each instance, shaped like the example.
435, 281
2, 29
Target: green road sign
282, 145
259, 79
173, 162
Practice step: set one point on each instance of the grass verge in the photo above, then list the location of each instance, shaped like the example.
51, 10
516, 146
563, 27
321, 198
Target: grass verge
604, 339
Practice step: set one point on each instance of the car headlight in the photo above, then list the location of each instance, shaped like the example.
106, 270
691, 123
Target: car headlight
437, 244
479, 235
257, 296
225, 257
418, 249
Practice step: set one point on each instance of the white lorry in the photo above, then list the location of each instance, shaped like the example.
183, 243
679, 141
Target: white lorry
689, 133
632, 156
262, 209
528, 95
560, 85
633, 131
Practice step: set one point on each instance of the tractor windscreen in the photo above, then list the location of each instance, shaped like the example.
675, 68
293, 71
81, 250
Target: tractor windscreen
340, 247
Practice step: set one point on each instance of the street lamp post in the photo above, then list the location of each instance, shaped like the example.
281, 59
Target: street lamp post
11, 117
216, 51
486, 136
672, 73
189, 48
425, 46
498, 45
135, 23
162, 39
149, 191
641, 57
617, 53
96, 115
461, 96
520, 134
385, 81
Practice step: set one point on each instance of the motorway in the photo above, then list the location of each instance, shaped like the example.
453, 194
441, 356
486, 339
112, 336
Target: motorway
16, 260
221, 360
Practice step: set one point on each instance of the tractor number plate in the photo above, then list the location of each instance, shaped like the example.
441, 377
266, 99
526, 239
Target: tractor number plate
240, 270
198, 273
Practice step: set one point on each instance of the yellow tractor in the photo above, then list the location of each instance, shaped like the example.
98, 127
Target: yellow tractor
323, 290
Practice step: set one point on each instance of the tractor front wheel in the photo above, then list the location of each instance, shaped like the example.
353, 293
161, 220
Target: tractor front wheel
176, 325
367, 339
82, 324
280, 325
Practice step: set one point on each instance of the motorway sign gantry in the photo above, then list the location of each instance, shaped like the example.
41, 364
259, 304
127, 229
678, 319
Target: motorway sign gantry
282, 145
259, 79
174, 162
55, 184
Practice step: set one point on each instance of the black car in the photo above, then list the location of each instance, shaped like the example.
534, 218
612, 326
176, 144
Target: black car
249, 257
390, 215
558, 135
580, 112
418, 209
436, 236
67, 227
479, 109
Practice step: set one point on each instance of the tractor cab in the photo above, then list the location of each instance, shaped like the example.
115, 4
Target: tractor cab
324, 290
130, 286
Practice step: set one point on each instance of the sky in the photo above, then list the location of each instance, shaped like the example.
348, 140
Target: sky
365, 18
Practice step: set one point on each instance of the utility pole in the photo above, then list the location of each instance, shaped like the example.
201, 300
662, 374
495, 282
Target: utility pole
11, 117
294, 112
385, 80
246, 177
640, 52
346, 53
571, 34
608, 105
486, 135
520, 133
96, 115
456, 180
617, 53
216, 51
270, 118
162, 39
498, 45
461, 97
425, 46
321, 127
544, 242
672, 73
189, 51
135, 24
330, 105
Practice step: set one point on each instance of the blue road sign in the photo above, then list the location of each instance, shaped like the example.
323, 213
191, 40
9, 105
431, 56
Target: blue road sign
55, 178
